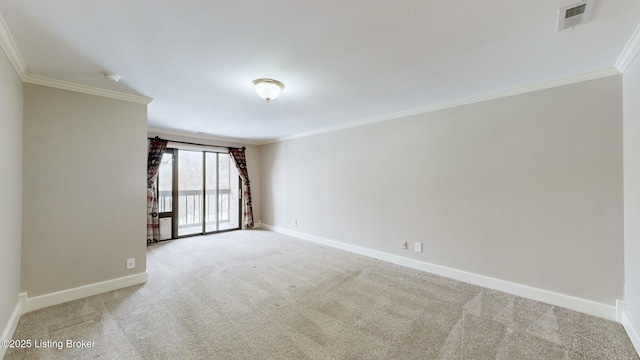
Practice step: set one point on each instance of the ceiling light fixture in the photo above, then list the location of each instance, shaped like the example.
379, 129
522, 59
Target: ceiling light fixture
268, 89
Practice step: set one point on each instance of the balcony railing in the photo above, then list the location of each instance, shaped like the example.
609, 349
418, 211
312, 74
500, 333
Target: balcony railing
190, 206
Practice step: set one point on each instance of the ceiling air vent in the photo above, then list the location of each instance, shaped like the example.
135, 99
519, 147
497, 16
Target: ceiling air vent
576, 14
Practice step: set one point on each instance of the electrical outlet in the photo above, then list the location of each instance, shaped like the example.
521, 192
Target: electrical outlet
417, 247
405, 245
131, 263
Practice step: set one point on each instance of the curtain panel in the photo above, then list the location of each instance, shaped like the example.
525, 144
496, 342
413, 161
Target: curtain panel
156, 150
240, 159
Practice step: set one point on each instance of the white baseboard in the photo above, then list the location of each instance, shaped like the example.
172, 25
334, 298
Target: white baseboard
631, 331
621, 307
12, 324
59, 297
566, 301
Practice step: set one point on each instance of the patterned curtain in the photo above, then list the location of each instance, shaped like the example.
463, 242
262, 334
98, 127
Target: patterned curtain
156, 150
241, 163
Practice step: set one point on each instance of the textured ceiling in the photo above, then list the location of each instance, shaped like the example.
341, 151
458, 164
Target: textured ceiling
341, 61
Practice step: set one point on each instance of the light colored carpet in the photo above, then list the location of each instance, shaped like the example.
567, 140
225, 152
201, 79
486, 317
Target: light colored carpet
261, 295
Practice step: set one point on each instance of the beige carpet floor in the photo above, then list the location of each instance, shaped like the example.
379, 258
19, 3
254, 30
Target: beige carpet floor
261, 295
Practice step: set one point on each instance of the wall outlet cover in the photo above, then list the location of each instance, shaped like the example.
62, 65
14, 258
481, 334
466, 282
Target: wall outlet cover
131, 263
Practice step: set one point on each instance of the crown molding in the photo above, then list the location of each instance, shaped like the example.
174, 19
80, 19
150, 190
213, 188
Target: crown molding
90, 90
629, 52
228, 140
10, 48
8, 45
471, 100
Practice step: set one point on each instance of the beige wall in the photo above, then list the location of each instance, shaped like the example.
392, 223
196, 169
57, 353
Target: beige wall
631, 109
10, 188
526, 188
252, 153
84, 189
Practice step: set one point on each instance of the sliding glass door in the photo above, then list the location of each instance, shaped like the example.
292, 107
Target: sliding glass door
204, 193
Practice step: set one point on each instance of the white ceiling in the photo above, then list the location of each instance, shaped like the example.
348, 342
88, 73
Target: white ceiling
341, 61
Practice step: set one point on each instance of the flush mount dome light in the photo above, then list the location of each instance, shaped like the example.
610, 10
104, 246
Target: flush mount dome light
268, 89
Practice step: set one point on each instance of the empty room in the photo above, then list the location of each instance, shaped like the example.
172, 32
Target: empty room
324, 180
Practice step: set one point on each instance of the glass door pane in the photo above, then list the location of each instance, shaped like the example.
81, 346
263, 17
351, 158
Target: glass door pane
165, 195
228, 193
190, 192
165, 183
211, 196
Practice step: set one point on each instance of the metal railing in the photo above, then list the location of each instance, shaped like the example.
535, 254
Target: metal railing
190, 205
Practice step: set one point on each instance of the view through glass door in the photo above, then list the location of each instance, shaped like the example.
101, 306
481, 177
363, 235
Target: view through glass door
204, 195
190, 189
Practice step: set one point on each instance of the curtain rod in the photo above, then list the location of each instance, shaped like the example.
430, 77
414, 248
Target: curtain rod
190, 143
